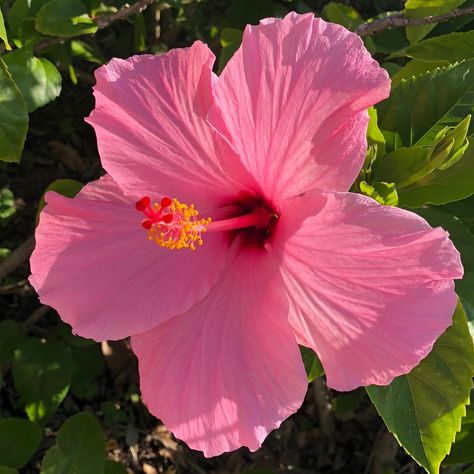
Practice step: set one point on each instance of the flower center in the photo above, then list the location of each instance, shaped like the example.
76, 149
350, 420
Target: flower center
174, 225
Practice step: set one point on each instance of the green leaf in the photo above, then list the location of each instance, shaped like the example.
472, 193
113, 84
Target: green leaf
419, 108
42, 373
311, 363
19, 439
80, 448
64, 18
3, 32
65, 187
374, 135
463, 448
13, 118
10, 336
424, 408
446, 49
424, 8
86, 52
38, 80
342, 14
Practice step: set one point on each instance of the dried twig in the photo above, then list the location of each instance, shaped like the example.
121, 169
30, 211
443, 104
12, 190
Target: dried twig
398, 20
124, 12
35, 316
17, 257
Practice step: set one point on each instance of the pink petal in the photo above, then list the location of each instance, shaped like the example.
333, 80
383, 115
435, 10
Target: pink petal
150, 125
227, 372
371, 287
292, 102
94, 265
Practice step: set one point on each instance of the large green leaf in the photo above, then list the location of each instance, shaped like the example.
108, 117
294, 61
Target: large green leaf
464, 242
19, 439
13, 118
3, 32
424, 408
64, 18
42, 373
80, 448
419, 108
424, 8
38, 80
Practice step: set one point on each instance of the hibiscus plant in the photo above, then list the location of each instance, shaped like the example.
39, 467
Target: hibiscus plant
293, 218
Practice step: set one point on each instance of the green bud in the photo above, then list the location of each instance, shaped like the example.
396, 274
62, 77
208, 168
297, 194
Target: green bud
449, 145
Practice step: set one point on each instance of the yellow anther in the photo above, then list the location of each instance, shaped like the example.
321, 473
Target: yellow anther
183, 231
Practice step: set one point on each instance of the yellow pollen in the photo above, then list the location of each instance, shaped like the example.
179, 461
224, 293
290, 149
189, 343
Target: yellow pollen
183, 232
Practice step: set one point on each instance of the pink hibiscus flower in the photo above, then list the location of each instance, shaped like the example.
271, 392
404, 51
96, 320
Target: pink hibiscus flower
284, 255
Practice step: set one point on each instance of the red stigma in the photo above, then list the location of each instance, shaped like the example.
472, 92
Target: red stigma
165, 202
147, 224
143, 203
167, 218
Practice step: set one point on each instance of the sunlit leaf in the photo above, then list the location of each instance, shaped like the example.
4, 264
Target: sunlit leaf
3, 32
13, 117
425, 8
446, 49
64, 18
38, 80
